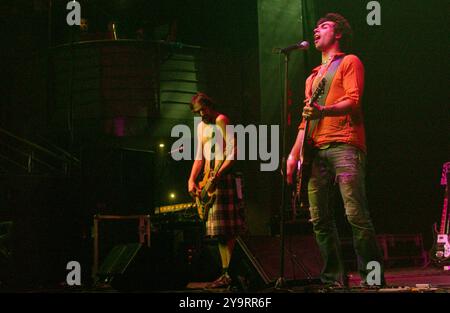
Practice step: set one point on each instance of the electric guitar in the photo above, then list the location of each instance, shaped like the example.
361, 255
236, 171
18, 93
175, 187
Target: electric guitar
204, 199
300, 194
441, 250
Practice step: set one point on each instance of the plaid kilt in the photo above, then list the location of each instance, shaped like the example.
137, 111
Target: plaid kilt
226, 216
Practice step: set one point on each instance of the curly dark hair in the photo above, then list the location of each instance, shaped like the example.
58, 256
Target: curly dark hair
342, 27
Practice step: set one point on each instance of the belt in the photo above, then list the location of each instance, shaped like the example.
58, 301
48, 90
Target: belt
329, 145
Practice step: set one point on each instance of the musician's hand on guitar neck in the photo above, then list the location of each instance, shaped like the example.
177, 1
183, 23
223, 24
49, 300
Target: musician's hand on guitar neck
313, 112
193, 188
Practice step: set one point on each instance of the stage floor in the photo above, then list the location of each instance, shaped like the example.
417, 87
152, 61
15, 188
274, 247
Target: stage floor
428, 279
405, 280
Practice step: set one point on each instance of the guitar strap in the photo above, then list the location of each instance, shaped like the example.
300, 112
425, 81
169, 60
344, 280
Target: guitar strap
331, 72
209, 166
212, 161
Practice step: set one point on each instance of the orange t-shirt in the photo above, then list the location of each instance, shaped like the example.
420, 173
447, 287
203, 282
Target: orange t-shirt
347, 83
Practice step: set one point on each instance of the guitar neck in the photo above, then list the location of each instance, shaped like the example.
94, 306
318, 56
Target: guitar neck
317, 93
303, 141
209, 174
306, 128
445, 218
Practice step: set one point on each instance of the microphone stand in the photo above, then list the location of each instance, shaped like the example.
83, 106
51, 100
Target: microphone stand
281, 282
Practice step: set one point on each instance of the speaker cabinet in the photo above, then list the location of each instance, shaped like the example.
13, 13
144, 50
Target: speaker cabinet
134, 267
255, 263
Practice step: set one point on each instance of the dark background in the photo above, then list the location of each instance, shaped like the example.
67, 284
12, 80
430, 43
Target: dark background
405, 105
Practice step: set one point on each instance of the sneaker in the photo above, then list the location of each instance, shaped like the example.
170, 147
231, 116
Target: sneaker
223, 281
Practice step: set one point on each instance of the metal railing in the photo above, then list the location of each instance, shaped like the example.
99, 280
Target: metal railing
21, 155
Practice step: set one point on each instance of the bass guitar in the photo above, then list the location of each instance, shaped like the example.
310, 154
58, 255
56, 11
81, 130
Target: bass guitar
205, 198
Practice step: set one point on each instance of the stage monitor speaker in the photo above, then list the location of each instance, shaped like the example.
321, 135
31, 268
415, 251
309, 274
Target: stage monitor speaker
135, 267
255, 263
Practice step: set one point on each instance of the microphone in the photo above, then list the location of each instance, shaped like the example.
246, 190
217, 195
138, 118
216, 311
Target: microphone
301, 45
